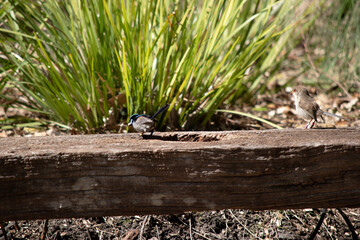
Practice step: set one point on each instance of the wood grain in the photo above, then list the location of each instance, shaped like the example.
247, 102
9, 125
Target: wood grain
123, 174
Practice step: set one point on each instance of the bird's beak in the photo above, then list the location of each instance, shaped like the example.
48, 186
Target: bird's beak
130, 123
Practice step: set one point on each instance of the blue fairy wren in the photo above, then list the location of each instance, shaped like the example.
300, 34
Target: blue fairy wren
144, 123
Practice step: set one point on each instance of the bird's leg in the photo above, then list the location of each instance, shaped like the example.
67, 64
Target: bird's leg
318, 225
348, 222
312, 125
307, 125
151, 133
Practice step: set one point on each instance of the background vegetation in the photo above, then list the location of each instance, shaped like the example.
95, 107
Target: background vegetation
88, 65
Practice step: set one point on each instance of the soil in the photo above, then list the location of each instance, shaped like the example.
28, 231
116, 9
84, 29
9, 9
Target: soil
225, 224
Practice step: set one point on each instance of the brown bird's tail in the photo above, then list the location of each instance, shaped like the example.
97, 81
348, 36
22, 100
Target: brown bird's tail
332, 115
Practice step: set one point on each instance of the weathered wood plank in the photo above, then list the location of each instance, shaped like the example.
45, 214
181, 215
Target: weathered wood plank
122, 174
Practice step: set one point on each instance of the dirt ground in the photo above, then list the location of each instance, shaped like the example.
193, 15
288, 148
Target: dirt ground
225, 224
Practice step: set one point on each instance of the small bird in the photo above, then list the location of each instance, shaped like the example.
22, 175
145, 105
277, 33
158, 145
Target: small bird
144, 123
307, 108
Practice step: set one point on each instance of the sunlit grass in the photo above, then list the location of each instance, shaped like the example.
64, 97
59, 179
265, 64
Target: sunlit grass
91, 65
251, 116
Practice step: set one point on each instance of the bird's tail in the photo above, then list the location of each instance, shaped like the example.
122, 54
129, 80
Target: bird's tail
333, 115
162, 109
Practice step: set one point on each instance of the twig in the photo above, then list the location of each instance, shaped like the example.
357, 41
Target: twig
297, 218
190, 229
43, 234
89, 234
195, 231
252, 234
2, 226
226, 223
17, 228
157, 232
143, 226
201, 235
327, 230
104, 232
131, 234
101, 235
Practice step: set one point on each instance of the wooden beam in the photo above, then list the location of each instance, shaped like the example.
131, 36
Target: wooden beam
123, 174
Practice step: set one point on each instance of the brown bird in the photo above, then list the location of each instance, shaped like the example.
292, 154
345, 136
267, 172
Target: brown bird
307, 108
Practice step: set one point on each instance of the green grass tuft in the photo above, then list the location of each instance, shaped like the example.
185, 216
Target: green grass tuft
90, 64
